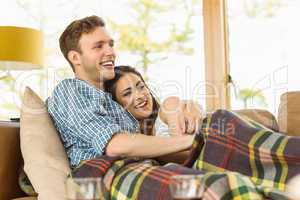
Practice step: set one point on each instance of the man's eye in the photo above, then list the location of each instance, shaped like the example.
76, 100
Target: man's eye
111, 44
99, 46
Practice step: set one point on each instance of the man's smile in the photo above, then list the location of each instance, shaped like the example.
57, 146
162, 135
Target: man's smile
109, 64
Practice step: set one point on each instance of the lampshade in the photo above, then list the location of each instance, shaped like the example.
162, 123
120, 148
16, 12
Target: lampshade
20, 48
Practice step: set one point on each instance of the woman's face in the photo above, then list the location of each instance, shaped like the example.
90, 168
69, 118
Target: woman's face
133, 95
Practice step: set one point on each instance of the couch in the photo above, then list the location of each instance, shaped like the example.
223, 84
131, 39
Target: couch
11, 159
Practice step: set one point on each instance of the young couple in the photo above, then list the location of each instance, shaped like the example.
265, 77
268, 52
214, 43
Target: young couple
110, 110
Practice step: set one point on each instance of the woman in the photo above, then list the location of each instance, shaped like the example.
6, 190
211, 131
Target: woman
129, 89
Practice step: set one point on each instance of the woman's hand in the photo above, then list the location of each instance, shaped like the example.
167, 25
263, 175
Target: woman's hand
171, 112
181, 116
193, 114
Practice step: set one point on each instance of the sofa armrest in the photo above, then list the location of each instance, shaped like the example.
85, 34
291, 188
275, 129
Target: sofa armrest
26, 198
263, 117
289, 113
10, 160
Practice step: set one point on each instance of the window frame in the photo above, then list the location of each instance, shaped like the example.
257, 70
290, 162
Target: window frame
216, 54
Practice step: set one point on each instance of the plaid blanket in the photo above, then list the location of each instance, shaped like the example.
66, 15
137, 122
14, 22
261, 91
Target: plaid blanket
132, 178
235, 144
239, 159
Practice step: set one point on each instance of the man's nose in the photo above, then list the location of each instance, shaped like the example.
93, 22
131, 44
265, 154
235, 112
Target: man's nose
109, 50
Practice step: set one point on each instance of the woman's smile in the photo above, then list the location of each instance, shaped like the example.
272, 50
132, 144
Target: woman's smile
133, 94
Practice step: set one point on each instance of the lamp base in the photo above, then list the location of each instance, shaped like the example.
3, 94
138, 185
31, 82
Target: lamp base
15, 119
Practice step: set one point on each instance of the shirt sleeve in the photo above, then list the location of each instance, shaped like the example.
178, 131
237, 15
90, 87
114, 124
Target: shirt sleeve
83, 116
98, 129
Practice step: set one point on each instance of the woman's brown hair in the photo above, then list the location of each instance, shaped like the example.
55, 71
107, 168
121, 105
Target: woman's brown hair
110, 86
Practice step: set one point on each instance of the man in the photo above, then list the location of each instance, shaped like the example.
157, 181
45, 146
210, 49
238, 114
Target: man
90, 123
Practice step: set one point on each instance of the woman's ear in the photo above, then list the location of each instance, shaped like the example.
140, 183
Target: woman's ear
74, 57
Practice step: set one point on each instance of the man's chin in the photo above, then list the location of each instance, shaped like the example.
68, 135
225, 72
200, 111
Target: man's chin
110, 76
107, 74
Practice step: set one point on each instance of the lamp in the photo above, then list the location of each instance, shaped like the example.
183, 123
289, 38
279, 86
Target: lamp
20, 48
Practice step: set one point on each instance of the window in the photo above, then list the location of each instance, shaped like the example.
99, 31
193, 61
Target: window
263, 51
173, 41
164, 41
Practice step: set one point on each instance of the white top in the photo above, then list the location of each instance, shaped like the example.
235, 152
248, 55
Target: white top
161, 128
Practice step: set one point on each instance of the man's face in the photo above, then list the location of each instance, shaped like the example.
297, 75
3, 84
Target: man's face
97, 58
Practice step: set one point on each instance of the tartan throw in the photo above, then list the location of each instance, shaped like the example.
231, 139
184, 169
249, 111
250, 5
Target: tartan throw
132, 178
239, 159
233, 143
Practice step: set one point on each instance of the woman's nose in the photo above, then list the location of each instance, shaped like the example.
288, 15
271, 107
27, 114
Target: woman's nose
139, 95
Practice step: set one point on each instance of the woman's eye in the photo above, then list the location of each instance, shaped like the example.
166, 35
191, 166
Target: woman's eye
126, 94
141, 87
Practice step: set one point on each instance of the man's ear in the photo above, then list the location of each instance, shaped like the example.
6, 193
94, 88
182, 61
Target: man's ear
74, 57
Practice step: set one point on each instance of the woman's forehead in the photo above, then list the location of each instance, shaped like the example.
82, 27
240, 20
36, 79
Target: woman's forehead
129, 79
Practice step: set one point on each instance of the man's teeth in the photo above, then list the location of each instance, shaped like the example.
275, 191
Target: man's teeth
107, 63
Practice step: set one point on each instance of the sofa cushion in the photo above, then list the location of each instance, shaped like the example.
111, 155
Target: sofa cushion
25, 183
289, 113
293, 188
45, 160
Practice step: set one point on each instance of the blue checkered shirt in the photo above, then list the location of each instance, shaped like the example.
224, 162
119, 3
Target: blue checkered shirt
86, 119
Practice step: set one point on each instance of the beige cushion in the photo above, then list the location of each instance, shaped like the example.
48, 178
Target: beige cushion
45, 160
263, 117
26, 198
289, 113
292, 188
